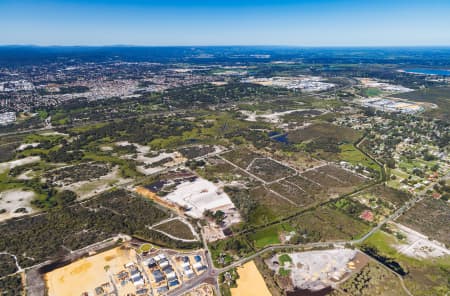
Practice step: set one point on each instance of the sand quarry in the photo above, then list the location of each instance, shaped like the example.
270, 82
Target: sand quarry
86, 274
250, 282
11, 200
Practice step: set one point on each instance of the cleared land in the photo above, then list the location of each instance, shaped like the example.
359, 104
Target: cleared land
430, 217
250, 281
86, 274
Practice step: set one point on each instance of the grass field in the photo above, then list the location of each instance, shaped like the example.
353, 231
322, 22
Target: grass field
352, 155
268, 236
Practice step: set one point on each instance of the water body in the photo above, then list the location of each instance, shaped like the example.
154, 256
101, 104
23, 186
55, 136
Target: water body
301, 292
439, 72
282, 138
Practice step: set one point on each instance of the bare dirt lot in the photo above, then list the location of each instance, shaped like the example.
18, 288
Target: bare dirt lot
418, 245
430, 217
250, 281
86, 274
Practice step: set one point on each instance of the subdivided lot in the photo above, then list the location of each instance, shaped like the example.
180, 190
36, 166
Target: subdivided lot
311, 187
430, 217
341, 174
422, 277
333, 179
218, 170
241, 157
323, 130
269, 170
50, 235
196, 151
270, 207
293, 193
373, 279
177, 229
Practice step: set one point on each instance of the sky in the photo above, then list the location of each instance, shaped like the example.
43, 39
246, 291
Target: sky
226, 22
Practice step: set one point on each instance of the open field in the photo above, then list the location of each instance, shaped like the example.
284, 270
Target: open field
430, 217
269, 170
250, 281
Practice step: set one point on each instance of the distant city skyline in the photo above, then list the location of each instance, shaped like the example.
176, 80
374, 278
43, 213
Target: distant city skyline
232, 22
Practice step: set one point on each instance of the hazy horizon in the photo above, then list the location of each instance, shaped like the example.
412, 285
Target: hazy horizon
321, 23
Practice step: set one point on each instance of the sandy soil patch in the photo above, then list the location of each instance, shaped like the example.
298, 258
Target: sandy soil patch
418, 245
27, 175
19, 162
26, 146
250, 281
86, 274
12, 200
54, 133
